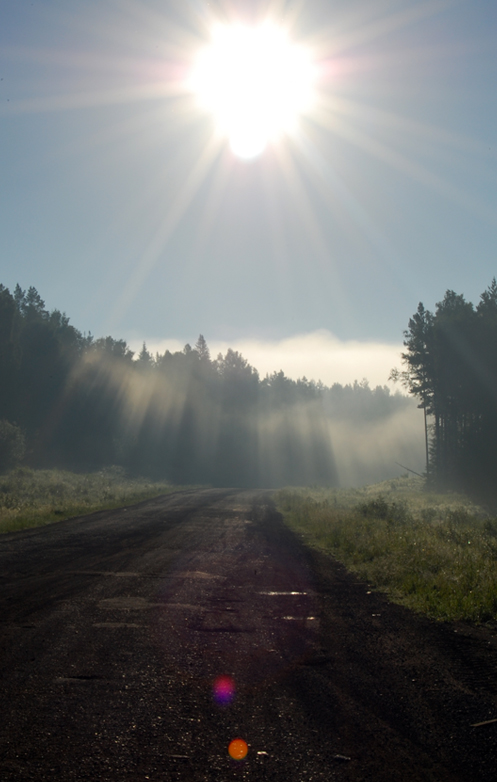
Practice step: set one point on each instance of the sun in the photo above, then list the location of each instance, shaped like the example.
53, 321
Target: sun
256, 83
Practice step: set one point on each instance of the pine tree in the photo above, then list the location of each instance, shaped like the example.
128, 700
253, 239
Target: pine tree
202, 349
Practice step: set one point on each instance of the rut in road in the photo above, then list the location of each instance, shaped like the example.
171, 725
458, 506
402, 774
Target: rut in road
115, 628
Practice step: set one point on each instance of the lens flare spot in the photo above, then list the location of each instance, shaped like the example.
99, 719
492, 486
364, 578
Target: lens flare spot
238, 749
224, 690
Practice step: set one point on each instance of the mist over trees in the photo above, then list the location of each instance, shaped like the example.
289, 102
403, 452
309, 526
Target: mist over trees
72, 401
451, 366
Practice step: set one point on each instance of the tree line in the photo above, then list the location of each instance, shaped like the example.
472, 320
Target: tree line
451, 366
73, 401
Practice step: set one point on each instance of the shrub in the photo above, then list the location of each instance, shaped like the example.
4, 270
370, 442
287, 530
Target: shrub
379, 508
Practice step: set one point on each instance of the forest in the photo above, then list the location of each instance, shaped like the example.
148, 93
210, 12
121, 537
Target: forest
73, 401
451, 367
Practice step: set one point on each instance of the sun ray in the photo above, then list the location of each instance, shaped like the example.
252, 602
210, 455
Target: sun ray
279, 239
337, 194
361, 31
398, 123
404, 165
317, 240
298, 191
222, 174
93, 99
158, 241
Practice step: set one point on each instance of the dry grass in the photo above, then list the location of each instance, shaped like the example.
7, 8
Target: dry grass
31, 498
434, 553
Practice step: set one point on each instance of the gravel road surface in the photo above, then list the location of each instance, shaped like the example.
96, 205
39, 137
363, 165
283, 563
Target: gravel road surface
115, 628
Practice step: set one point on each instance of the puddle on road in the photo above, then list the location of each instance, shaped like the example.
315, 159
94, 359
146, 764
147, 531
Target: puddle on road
196, 574
177, 606
117, 624
276, 594
116, 574
81, 680
127, 603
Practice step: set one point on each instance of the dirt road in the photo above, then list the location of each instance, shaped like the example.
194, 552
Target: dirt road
114, 628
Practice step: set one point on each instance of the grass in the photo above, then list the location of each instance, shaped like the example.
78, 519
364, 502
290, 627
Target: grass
31, 498
436, 554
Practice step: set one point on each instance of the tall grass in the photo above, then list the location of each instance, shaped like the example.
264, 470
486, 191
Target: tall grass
435, 553
30, 498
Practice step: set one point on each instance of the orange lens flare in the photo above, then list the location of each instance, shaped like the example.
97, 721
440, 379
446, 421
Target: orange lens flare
238, 749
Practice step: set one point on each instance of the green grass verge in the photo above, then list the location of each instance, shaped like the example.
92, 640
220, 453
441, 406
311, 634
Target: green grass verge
31, 498
436, 554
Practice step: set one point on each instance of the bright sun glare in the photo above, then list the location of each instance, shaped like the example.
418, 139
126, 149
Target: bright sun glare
255, 82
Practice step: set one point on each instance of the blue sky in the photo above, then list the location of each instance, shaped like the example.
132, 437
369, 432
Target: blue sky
118, 208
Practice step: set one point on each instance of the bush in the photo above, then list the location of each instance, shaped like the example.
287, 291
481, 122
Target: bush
12, 445
379, 508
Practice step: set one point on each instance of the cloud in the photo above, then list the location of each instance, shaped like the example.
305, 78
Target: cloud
318, 355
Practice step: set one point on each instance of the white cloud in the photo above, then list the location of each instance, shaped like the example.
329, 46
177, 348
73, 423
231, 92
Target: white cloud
318, 355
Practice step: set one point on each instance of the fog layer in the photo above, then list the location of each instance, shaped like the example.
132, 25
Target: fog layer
83, 403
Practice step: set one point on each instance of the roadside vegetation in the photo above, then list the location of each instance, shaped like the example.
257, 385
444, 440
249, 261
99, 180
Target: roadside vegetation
435, 553
31, 498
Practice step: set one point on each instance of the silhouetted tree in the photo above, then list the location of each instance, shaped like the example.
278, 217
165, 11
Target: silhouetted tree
451, 365
202, 349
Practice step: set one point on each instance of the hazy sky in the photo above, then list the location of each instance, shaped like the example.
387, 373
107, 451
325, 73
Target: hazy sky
123, 206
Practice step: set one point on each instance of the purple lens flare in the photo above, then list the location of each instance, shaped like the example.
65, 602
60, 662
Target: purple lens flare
223, 690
